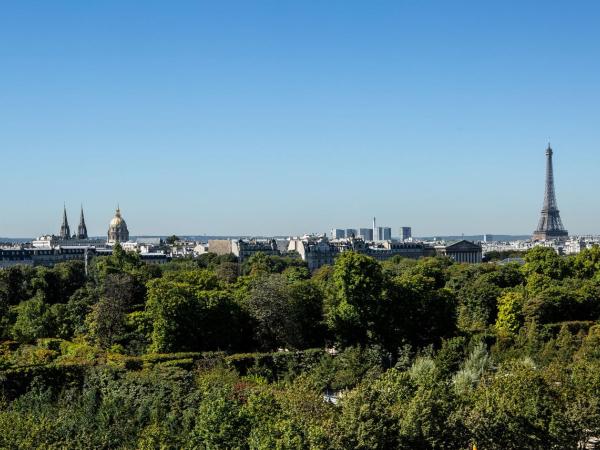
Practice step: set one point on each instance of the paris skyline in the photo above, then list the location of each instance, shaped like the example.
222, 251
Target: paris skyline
286, 119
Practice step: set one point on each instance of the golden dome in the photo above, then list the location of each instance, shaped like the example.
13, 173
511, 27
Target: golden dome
117, 231
117, 220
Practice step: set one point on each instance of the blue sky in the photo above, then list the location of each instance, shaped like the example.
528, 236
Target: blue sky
281, 117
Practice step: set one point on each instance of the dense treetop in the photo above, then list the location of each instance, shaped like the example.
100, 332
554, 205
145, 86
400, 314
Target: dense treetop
211, 353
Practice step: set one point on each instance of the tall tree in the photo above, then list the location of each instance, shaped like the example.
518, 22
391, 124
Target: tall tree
355, 301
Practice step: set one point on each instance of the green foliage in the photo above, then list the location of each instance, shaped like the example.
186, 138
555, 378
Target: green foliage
352, 307
473, 368
171, 240
285, 312
510, 312
34, 320
415, 311
517, 408
275, 366
423, 354
107, 319
261, 264
189, 313
504, 254
587, 263
545, 261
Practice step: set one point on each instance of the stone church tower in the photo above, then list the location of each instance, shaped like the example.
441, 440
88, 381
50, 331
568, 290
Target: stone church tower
117, 230
82, 229
65, 231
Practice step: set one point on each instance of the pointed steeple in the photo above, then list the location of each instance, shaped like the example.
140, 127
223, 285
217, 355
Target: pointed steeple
65, 231
82, 229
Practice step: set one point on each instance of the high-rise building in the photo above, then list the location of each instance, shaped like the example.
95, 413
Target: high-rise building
351, 233
365, 233
375, 231
337, 233
406, 233
82, 229
383, 234
550, 225
65, 231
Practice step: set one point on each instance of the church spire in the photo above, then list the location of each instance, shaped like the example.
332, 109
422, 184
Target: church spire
82, 229
65, 232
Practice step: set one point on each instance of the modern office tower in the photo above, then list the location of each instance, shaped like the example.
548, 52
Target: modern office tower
550, 225
366, 234
383, 234
338, 233
351, 233
375, 232
405, 233
386, 233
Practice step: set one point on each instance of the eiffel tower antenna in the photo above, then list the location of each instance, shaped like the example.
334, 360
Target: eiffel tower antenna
550, 225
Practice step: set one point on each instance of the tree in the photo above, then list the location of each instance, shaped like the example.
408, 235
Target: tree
415, 312
260, 264
545, 261
285, 313
227, 272
171, 240
510, 312
188, 312
34, 320
517, 408
583, 404
435, 268
107, 319
587, 263
220, 421
70, 317
356, 297
478, 306
551, 305
15, 284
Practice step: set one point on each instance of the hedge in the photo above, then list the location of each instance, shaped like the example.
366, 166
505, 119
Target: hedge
274, 366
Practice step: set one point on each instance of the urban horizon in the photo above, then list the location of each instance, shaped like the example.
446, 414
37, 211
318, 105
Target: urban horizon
432, 116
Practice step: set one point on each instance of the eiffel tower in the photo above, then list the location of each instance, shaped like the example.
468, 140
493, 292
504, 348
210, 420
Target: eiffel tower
550, 226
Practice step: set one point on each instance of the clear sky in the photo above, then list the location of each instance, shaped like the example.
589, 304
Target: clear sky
285, 117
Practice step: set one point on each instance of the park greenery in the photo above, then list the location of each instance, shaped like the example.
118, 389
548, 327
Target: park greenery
211, 353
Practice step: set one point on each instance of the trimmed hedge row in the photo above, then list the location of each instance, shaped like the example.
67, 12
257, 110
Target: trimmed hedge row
14, 382
573, 326
275, 366
272, 366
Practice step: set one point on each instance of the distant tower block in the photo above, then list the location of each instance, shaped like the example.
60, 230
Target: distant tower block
406, 233
375, 235
337, 233
351, 233
550, 225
